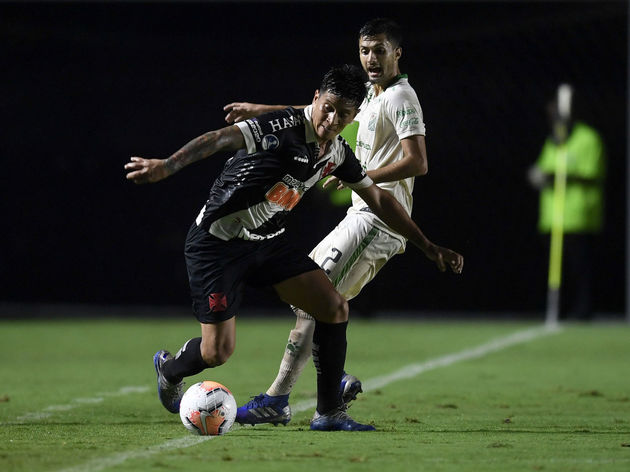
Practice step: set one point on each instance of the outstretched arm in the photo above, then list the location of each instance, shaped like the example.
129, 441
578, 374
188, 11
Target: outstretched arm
142, 171
412, 164
386, 207
240, 111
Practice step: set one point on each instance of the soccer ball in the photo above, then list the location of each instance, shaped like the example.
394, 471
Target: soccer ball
208, 409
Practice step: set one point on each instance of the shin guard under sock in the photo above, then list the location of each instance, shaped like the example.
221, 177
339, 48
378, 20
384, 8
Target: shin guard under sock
329, 355
296, 355
187, 362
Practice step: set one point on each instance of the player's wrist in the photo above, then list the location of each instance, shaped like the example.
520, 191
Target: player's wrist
171, 165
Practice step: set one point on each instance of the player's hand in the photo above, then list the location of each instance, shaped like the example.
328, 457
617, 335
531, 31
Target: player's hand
144, 171
332, 180
240, 111
444, 257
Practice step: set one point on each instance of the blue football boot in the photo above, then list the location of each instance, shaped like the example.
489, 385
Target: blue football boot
337, 420
170, 394
350, 388
265, 409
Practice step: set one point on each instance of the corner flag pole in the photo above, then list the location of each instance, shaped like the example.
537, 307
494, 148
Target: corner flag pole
565, 94
628, 175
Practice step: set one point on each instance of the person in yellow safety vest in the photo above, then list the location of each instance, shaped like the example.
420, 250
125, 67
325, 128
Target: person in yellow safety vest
583, 216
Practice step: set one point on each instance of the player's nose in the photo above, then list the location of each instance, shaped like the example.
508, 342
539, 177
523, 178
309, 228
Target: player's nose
333, 118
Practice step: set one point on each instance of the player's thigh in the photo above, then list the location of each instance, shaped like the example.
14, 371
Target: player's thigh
216, 273
354, 252
314, 293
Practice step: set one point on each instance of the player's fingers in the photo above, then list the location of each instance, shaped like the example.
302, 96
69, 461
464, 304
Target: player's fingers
135, 176
134, 162
457, 264
233, 117
328, 182
134, 165
229, 106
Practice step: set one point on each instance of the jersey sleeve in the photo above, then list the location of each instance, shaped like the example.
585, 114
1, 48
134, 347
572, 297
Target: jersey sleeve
269, 131
404, 111
351, 171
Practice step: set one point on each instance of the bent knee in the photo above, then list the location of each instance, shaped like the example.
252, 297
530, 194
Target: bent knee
216, 355
336, 310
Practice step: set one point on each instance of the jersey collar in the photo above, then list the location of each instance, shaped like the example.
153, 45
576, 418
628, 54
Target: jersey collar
310, 131
395, 80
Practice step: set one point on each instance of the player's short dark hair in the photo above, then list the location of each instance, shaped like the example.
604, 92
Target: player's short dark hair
345, 81
386, 26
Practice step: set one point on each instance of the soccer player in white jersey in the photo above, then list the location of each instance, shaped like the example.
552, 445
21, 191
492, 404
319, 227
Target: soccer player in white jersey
391, 147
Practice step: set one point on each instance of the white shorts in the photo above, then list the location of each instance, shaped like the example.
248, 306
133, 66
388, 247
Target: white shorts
353, 252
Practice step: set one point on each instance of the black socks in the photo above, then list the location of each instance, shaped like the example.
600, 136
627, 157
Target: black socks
329, 355
187, 362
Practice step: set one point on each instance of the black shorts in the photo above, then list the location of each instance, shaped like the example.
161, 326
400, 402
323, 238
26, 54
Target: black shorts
218, 270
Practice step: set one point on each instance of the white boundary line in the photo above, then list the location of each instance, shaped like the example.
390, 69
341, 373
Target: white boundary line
101, 463
413, 370
77, 402
409, 371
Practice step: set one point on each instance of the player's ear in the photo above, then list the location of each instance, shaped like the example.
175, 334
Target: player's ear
316, 96
398, 52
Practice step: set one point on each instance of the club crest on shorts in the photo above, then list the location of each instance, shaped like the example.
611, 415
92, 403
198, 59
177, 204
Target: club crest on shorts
217, 301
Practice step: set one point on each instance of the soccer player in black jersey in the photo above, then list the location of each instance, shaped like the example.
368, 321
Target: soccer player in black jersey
239, 237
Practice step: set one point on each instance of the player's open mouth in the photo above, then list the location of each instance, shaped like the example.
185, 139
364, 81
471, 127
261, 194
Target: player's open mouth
374, 70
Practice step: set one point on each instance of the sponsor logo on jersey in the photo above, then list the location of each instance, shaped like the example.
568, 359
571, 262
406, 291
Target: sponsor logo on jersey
405, 112
295, 183
254, 126
270, 142
249, 236
285, 122
410, 122
284, 196
303, 159
364, 145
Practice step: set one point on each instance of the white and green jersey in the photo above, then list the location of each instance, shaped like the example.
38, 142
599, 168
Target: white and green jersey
384, 120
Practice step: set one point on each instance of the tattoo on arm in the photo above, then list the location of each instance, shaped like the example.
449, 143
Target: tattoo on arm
197, 149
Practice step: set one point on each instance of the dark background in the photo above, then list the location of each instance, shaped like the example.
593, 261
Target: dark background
86, 85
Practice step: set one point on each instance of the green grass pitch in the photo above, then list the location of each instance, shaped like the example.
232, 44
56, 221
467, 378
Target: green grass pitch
79, 396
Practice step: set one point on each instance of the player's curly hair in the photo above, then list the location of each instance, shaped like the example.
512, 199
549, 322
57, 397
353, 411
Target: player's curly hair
386, 26
345, 81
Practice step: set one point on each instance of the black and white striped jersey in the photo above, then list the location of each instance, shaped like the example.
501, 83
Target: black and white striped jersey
257, 188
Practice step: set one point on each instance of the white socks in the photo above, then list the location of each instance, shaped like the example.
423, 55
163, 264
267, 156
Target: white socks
296, 354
